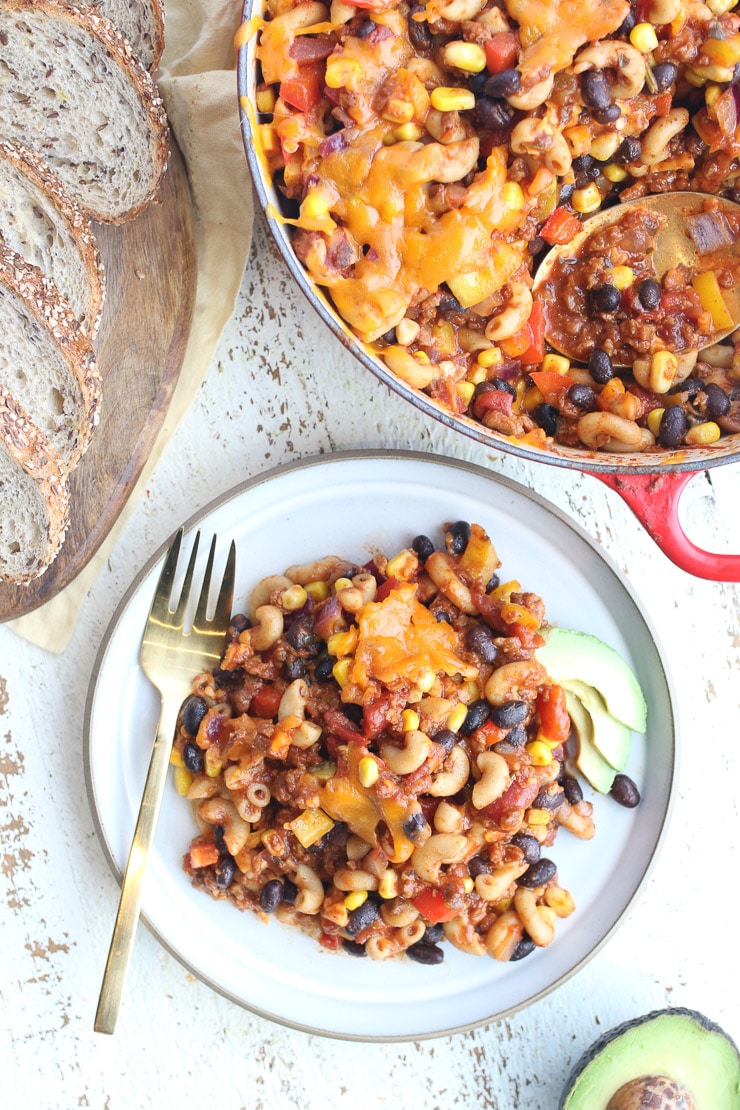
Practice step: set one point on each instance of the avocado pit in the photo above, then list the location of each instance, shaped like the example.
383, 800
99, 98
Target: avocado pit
652, 1092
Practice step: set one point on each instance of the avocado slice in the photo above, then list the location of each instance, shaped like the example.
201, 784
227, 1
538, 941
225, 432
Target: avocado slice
679, 1044
567, 654
610, 737
589, 760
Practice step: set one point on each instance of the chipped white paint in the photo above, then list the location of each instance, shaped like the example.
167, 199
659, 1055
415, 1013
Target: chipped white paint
279, 388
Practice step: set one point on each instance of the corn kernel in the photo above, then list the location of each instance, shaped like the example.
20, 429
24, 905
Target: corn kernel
663, 366
465, 391
538, 816
476, 374
556, 364
315, 206
213, 766
456, 717
342, 584
342, 71
388, 884
559, 900
468, 885
703, 434
492, 356
531, 399
340, 670
468, 56
317, 591
654, 418
293, 598
176, 758
265, 100
587, 199
644, 38
425, 679
389, 139
422, 358
183, 780
622, 276
368, 771
410, 720
310, 826
614, 173
551, 744
711, 93
446, 99
343, 643
694, 78
355, 899
604, 145
513, 196
402, 565
408, 132
406, 331
539, 753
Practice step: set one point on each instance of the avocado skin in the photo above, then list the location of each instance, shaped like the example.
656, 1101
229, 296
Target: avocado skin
704, 1026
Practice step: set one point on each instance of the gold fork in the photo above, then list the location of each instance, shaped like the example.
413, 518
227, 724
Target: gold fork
170, 657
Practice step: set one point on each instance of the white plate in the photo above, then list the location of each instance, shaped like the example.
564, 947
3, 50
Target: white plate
353, 504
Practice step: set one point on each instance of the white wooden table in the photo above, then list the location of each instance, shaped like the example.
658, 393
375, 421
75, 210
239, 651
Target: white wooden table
279, 388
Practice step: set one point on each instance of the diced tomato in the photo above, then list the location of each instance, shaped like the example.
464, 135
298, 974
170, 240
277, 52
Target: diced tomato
304, 91
338, 723
265, 703
432, 906
552, 386
663, 104
560, 227
203, 853
374, 715
487, 735
649, 400
385, 588
517, 796
490, 609
332, 941
493, 400
536, 323
502, 51
553, 712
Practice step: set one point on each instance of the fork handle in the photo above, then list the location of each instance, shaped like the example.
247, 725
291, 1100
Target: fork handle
124, 930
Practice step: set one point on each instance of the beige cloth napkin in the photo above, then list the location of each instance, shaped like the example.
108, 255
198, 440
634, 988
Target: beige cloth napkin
198, 85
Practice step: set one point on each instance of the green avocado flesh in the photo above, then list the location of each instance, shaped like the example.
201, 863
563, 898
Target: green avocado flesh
680, 1044
568, 655
589, 761
610, 737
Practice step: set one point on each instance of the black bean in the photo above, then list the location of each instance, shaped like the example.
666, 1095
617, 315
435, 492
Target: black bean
691, 386
423, 547
505, 747
301, 636
595, 89
625, 791
366, 28
414, 825
628, 151
362, 917
226, 679
649, 293
583, 395
524, 948
433, 934
610, 114
419, 34
545, 800
294, 668
479, 640
194, 710
445, 738
271, 895
192, 757
565, 193
218, 839
506, 83
546, 417
353, 948
324, 664
225, 872
583, 163
476, 717
457, 537
673, 425
353, 711
492, 114
600, 366
509, 714
478, 865
492, 583
504, 386
477, 83
664, 74
606, 298
572, 790
425, 953
718, 403
528, 845
290, 891
517, 736
538, 873
626, 25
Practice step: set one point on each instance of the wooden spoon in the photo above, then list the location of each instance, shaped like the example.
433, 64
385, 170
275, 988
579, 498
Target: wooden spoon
673, 246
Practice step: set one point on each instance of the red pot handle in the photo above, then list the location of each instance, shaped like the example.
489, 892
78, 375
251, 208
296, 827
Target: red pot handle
654, 500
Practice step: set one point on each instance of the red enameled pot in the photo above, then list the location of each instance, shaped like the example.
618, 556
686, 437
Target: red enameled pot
651, 484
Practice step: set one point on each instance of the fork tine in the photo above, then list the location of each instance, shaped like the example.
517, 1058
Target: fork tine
178, 617
200, 613
161, 601
225, 599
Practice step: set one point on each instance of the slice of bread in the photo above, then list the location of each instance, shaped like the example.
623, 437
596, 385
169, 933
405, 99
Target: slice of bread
46, 362
141, 22
34, 493
40, 221
73, 91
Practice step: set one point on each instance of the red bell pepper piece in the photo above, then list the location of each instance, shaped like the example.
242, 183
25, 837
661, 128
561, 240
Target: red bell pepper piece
535, 352
553, 712
432, 906
560, 227
493, 400
502, 51
304, 91
552, 386
385, 588
265, 703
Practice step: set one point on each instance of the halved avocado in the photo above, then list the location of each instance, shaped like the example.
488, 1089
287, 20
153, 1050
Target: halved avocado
611, 738
589, 760
677, 1044
568, 655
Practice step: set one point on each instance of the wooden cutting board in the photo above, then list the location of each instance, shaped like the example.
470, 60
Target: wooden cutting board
150, 267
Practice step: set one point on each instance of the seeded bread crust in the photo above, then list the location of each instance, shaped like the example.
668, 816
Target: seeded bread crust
141, 22
46, 362
40, 221
34, 492
74, 91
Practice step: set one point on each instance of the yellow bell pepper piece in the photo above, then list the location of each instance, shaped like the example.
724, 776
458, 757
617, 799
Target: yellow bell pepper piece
710, 295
